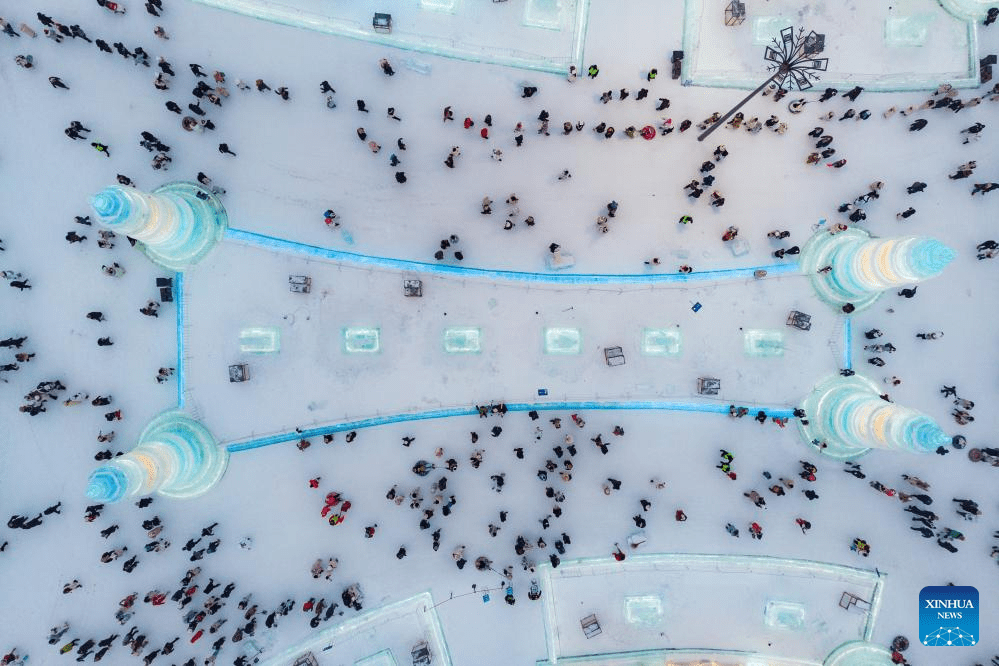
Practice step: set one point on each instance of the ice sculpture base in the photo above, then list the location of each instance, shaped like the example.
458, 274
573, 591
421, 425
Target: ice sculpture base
209, 457
818, 253
212, 216
812, 432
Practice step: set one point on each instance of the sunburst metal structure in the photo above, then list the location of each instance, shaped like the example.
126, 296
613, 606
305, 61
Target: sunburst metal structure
793, 61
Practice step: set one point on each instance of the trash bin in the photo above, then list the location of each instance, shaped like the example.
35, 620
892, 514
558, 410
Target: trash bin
382, 22
239, 372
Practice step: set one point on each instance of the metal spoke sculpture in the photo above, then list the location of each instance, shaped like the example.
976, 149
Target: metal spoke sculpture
793, 62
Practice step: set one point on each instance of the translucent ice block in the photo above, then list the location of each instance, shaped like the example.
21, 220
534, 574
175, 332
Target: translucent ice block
462, 340
784, 615
767, 28
563, 341
260, 340
447, 6
763, 343
544, 13
661, 342
908, 30
646, 610
361, 340
382, 658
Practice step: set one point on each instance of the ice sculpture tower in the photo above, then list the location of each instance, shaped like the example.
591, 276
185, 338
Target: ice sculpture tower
176, 457
863, 267
848, 415
177, 224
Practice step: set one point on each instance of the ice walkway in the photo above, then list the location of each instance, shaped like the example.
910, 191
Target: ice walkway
346, 346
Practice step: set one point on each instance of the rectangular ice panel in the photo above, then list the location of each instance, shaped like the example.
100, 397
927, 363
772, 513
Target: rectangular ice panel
382, 658
447, 6
647, 610
361, 340
462, 340
763, 343
661, 342
544, 13
767, 28
908, 30
784, 615
563, 341
260, 340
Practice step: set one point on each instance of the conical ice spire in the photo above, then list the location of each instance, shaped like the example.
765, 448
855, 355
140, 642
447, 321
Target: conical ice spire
177, 224
851, 267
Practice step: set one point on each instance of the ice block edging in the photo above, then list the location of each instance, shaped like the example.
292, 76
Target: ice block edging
849, 416
863, 267
177, 224
968, 9
859, 653
176, 457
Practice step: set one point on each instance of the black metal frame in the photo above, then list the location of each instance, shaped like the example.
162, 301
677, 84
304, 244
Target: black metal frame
794, 62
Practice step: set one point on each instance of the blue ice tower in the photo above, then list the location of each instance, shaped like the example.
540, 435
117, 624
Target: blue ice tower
863, 267
176, 225
176, 457
848, 415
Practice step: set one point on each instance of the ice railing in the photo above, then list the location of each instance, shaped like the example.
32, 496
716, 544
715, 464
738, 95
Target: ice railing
284, 14
588, 402
679, 562
705, 657
966, 10
665, 398
407, 265
421, 607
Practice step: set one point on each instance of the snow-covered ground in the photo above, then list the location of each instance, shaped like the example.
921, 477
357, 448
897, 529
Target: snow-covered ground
297, 158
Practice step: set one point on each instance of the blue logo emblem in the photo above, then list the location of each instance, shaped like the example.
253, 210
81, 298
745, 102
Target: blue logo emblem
948, 616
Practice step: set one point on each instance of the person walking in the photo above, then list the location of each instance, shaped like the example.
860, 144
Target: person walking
224, 149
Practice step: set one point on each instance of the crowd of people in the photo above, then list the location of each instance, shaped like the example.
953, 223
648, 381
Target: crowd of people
541, 538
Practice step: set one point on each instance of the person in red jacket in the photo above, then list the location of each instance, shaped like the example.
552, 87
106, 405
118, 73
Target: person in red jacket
618, 553
469, 122
484, 132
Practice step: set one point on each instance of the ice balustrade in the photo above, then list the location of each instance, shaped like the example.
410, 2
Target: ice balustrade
570, 591
863, 267
175, 457
382, 636
177, 224
500, 42
846, 417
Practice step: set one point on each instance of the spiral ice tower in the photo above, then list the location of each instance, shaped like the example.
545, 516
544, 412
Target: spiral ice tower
863, 267
176, 457
849, 416
177, 224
